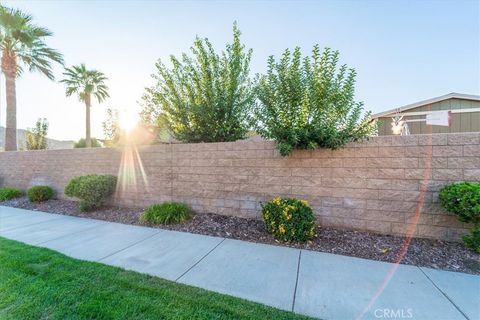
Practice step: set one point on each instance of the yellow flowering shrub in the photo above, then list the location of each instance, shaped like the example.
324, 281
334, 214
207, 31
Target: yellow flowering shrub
289, 219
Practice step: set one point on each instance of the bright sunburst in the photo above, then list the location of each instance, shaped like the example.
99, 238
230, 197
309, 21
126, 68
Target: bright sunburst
128, 119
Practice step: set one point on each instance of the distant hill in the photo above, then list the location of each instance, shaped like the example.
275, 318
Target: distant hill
52, 143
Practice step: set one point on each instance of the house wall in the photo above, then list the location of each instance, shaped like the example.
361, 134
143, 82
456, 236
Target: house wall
461, 122
388, 184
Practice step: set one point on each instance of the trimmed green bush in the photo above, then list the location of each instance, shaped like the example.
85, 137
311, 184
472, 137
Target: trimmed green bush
472, 240
83, 144
8, 193
289, 219
166, 213
92, 190
463, 200
40, 193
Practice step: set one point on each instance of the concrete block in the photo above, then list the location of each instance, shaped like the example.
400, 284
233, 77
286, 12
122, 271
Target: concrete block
447, 151
471, 150
471, 174
463, 139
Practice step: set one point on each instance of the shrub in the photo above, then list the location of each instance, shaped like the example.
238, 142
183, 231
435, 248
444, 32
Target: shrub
463, 200
39, 193
472, 240
205, 96
8, 193
83, 144
289, 219
308, 103
36, 138
111, 128
166, 213
92, 190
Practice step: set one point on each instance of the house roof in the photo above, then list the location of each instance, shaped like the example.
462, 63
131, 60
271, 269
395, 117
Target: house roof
452, 95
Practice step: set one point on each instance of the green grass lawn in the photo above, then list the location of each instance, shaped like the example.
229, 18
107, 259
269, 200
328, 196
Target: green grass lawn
37, 283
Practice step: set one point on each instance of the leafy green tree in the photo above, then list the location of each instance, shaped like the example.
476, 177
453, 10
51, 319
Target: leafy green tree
85, 84
309, 103
205, 97
36, 138
83, 144
152, 120
111, 127
22, 46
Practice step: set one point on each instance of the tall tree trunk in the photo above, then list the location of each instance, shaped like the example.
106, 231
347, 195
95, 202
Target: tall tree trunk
88, 139
11, 128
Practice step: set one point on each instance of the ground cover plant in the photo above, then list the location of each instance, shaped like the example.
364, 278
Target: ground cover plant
308, 103
166, 213
8, 193
289, 219
92, 190
40, 193
463, 200
38, 283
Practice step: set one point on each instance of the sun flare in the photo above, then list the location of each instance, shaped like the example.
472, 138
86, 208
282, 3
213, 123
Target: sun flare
128, 119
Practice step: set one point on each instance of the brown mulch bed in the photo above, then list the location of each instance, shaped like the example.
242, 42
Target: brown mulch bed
421, 252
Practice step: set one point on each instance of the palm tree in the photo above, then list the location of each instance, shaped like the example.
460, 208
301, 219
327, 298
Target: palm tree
86, 83
22, 46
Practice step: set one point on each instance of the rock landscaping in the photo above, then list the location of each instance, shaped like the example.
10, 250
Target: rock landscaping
435, 254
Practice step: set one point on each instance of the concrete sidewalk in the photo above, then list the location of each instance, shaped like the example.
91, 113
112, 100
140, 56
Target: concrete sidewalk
317, 284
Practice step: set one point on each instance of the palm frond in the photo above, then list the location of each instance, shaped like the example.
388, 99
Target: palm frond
39, 58
25, 42
78, 79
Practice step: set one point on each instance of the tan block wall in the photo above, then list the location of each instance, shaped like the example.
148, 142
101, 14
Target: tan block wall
388, 184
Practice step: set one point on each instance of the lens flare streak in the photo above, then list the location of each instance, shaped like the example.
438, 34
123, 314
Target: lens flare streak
410, 231
127, 173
